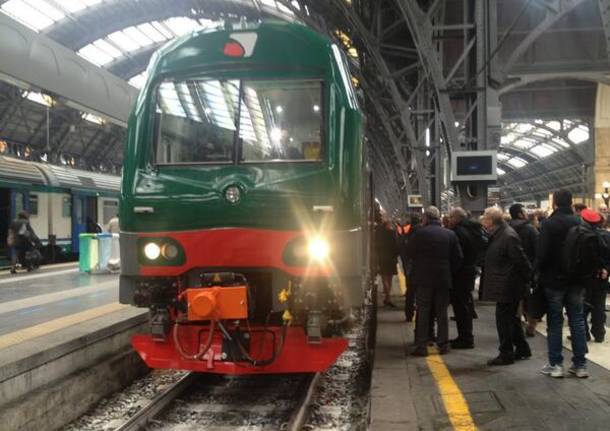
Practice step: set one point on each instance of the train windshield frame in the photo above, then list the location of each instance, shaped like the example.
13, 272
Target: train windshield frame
239, 121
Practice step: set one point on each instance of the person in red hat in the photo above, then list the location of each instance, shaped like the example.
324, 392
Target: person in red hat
596, 284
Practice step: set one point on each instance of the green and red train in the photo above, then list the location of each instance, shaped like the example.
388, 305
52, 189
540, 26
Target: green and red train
246, 202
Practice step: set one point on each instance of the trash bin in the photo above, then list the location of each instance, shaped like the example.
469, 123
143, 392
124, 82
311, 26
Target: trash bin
114, 263
104, 241
87, 257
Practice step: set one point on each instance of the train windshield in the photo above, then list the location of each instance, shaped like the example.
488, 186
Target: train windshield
215, 121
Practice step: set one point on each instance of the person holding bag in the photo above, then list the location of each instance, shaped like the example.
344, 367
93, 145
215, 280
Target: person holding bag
22, 239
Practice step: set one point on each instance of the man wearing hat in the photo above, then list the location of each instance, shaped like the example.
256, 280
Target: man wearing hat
596, 285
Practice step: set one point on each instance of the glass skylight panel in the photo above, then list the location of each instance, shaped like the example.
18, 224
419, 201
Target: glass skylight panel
560, 142
42, 99
72, 5
162, 28
152, 33
542, 150
139, 80
523, 127
108, 48
125, 43
579, 135
542, 132
93, 118
140, 38
95, 55
26, 14
555, 125
284, 9
47, 9
181, 25
517, 162
523, 143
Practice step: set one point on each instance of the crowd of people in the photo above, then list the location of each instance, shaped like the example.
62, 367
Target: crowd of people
528, 264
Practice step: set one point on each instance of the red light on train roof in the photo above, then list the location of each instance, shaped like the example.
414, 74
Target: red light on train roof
234, 49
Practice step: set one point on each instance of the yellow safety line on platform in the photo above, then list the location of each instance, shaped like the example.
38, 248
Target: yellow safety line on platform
45, 328
453, 399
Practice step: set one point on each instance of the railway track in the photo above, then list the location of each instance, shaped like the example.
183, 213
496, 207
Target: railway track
256, 402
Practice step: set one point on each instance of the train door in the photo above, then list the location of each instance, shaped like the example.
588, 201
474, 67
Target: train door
84, 208
5, 220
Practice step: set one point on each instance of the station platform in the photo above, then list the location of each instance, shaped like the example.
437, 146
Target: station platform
52, 292
62, 333
460, 391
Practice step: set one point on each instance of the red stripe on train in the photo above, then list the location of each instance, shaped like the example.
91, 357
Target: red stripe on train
231, 247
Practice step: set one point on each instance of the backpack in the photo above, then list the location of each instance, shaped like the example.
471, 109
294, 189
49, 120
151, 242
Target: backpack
586, 251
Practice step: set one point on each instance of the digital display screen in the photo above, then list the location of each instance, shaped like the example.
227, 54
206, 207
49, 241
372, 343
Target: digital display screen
474, 165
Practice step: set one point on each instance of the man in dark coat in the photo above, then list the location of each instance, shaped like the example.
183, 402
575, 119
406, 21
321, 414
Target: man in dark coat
507, 271
529, 241
472, 241
558, 289
436, 256
414, 224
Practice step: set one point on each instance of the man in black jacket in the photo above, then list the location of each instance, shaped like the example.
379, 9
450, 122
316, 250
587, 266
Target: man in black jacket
507, 271
473, 242
529, 241
436, 256
559, 291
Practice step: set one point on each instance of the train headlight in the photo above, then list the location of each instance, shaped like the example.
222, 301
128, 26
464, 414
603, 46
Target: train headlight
169, 251
152, 251
160, 251
318, 249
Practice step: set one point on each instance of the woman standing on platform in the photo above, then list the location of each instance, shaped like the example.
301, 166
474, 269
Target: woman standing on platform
387, 254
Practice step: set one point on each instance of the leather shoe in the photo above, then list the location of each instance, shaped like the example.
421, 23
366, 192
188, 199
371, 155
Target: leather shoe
522, 355
500, 360
419, 352
461, 344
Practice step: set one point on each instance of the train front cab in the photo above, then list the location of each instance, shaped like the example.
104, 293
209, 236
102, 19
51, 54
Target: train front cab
218, 248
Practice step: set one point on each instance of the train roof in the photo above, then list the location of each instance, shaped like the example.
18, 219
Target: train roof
23, 172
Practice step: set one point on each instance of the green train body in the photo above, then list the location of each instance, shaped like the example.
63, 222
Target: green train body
245, 146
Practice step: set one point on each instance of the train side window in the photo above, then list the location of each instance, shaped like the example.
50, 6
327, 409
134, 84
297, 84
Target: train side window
111, 209
66, 208
33, 204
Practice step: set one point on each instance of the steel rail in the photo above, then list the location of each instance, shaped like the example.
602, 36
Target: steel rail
159, 403
298, 418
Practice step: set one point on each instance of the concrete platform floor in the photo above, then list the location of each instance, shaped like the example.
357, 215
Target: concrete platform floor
29, 299
410, 393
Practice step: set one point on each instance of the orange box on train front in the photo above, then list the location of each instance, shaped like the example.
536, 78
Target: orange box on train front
217, 303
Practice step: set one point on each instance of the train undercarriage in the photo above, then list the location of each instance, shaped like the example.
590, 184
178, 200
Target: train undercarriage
234, 322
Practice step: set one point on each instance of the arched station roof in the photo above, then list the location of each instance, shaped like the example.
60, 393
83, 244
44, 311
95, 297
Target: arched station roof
541, 41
